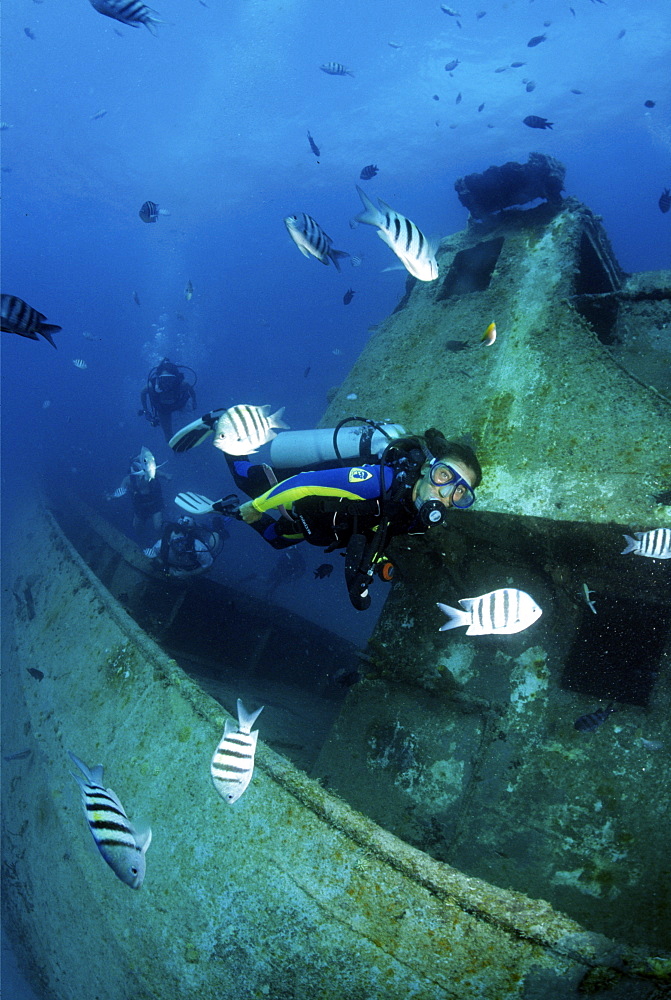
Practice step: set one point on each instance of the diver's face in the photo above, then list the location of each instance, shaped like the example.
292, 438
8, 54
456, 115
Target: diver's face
425, 489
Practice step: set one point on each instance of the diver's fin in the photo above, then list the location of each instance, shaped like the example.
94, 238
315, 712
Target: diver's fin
196, 432
194, 503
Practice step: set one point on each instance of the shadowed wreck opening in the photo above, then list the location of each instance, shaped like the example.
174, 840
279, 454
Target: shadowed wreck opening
471, 270
613, 661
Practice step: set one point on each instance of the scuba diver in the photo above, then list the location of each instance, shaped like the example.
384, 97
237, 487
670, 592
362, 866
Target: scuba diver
167, 391
187, 549
360, 508
143, 484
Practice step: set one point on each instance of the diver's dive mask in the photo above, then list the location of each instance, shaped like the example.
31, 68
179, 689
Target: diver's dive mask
451, 486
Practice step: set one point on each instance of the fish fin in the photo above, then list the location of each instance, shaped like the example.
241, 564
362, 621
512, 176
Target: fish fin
276, 420
229, 727
334, 255
82, 767
386, 238
247, 719
631, 545
455, 617
114, 797
372, 216
142, 834
46, 329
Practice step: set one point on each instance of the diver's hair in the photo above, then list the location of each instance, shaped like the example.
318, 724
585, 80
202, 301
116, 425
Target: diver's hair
441, 448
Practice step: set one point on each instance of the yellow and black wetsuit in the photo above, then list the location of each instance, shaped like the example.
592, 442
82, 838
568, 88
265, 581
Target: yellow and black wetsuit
326, 506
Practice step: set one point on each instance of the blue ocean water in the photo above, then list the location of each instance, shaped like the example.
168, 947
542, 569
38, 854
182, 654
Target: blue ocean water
209, 120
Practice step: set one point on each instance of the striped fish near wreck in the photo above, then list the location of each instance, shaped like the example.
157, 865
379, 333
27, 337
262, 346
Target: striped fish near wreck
233, 761
122, 847
402, 236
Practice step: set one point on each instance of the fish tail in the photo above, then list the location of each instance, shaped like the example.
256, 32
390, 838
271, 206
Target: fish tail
247, 719
335, 254
276, 420
372, 216
46, 329
455, 617
632, 544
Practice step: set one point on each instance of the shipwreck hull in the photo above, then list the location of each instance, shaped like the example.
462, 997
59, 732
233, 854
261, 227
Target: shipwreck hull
291, 894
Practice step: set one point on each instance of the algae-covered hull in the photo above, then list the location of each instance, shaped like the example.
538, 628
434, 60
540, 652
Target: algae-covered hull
290, 894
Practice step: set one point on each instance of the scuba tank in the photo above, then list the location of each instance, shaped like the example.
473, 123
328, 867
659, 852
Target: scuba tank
307, 449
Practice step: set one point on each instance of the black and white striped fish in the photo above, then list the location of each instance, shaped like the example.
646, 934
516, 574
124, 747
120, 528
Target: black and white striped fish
402, 236
311, 239
131, 12
149, 211
233, 761
336, 69
20, 318
242, 429
591, 722
501, 612
656, 543
122, 847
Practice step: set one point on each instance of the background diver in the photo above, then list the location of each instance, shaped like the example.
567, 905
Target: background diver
186, 549
143, 482
357, 507
168, 390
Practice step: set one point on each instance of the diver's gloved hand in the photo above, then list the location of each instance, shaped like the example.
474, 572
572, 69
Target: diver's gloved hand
248, 513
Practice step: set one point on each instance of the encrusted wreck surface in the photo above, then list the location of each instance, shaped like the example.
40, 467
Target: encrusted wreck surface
562, 428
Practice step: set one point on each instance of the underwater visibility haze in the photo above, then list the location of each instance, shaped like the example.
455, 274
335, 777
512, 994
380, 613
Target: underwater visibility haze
206, 182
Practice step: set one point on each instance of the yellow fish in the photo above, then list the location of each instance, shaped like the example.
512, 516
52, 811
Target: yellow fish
489, 336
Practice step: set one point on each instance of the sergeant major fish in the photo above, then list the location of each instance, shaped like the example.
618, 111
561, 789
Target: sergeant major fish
402, 236
20, 318
591, 722
130, 12
656, 543
336, 69
233, 761
311, 239
665, 200
188, 291
241, 430
80, 363
122, 847
501, 612
149, 211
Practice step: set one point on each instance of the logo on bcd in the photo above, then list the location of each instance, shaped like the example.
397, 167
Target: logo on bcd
359, 475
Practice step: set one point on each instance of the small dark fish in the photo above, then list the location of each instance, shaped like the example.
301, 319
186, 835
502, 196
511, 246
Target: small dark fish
590, 723
534, 121
451, 65
313, 146
458, 98
136, 298
481, 106
348, 296
665, 200
323, 571
149, 211
435, 97
20, 318
575, 91
621, 34
345, 677
516, 65
546, 24
368, 172
501, 69
20, 755
531, 85
480, 14
649, 104
536, 40
97, 115
457, 345
307, 371
29, 33
572, 11
37, 674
